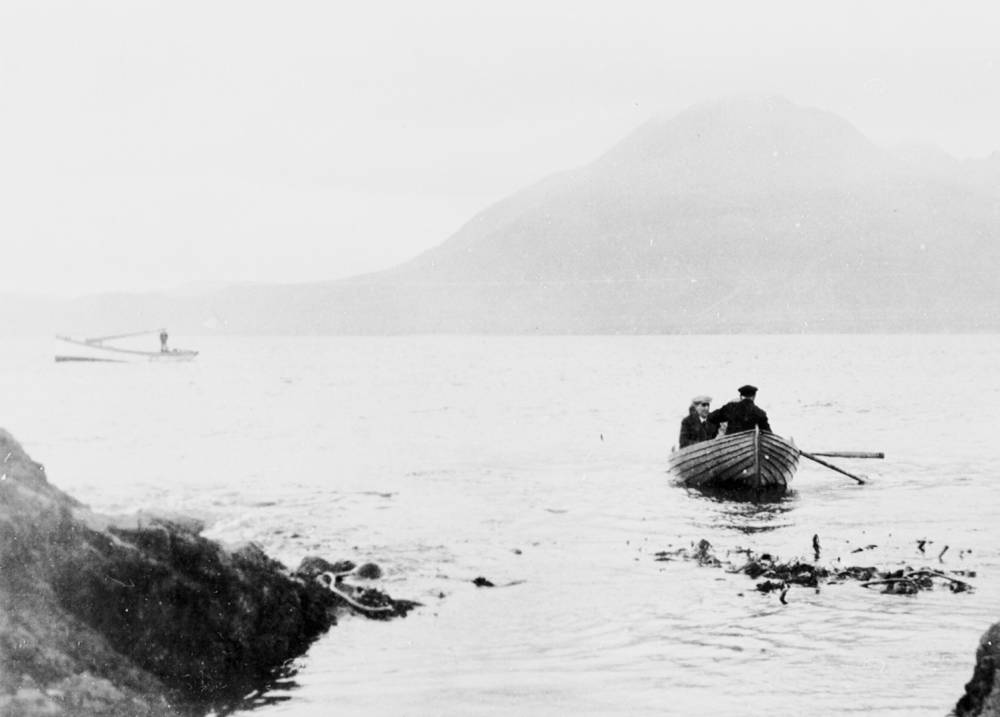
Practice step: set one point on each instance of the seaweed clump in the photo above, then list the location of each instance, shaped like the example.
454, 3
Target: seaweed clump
367, 601
774, 575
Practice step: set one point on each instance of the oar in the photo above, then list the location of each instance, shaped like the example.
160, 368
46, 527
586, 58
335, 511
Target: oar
832, 467
850, 454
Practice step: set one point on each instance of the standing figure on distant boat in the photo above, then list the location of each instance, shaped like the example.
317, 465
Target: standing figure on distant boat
697, 427
163, 341
742, 415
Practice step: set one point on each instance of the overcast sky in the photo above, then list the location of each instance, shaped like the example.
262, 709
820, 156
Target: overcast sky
146, 145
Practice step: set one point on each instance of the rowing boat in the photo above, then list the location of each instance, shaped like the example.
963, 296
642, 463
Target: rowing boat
98, 349
756, 460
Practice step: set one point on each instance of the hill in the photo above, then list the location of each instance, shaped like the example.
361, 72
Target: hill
749, 214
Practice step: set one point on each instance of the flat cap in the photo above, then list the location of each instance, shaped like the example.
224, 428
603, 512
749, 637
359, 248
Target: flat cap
748, 390
701, 399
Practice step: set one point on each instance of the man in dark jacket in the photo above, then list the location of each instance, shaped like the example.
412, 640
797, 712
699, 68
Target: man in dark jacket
696, 428
742, 415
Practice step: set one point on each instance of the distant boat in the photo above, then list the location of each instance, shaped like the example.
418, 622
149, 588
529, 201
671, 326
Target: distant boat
97, 349
749, 461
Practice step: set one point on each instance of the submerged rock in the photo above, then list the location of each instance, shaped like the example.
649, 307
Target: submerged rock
136, 616
314, 566
982, 693
369, 571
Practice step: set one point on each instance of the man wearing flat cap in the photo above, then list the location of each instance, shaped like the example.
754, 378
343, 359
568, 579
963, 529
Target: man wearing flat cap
742, 415
696, 427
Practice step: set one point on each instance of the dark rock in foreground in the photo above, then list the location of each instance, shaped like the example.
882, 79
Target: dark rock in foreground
139, 616
982, 693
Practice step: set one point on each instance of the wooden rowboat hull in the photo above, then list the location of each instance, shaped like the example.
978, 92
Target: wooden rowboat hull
747, 461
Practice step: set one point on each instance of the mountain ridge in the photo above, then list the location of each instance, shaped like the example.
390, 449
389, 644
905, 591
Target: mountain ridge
742, 214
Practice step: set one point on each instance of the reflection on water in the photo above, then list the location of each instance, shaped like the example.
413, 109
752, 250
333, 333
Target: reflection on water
744, 513
252, 697
548, 470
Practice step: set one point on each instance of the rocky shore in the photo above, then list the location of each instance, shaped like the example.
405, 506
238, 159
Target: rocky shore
142, 616
982, 692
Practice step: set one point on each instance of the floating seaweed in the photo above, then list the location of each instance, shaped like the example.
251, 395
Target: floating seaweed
701, 552
776, 575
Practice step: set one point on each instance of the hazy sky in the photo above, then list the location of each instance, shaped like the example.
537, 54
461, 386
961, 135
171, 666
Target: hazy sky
146, 145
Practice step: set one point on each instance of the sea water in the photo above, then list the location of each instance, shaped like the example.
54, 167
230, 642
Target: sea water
539, 464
